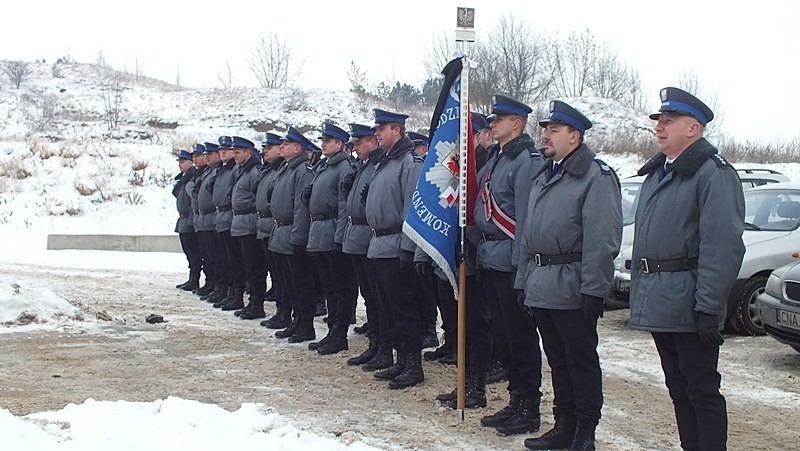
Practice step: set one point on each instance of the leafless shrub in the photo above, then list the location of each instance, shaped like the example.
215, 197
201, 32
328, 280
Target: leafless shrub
296, 100
134, 198
759, 152
161, 178
17, 72
271, 62
139, 165
15, 169
625, 143
112, 98
74, 210
86, 186
137, 178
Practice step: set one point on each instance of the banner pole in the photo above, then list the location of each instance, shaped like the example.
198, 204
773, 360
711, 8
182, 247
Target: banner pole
462, 208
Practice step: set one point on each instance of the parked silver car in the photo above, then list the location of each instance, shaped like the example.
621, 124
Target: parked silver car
779, 305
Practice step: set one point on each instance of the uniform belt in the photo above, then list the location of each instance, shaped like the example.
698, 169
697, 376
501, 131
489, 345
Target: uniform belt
648, 265
562, 259
184, 216
206, 212
244, 211
287, 222
196, 212
264, 214
493, 237
356, 221
219, 209
323, 217
384, 232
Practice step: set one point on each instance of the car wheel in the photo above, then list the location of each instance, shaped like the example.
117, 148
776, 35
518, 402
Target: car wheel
747, 318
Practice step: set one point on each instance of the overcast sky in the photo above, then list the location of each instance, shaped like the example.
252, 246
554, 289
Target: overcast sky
745, 52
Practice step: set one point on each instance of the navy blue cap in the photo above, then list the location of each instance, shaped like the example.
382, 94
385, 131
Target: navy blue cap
271, 139
225, 142
478, 122
506, 105
241, 143
561, 113
198, 149
349, 145
292, 134
418, 138
678, 101
383, 116
211, 147
184, 155
329, 130
360, 130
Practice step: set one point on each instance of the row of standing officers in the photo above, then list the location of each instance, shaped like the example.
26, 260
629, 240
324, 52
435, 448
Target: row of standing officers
540, 256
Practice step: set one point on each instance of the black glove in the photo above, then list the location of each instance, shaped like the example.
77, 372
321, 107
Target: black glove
347, 182
519, 296
337, 248
592, 307
406, 260
707, 326
299, 249
423, 269
364, 192
305, 196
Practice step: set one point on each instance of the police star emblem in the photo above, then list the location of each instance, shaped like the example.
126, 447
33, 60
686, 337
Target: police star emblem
664, 95
552, 105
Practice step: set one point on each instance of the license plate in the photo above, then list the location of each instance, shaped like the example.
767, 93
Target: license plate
622, 286
788, 319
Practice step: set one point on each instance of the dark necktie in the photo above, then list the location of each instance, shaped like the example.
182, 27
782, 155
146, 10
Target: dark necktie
666, 169
553, 170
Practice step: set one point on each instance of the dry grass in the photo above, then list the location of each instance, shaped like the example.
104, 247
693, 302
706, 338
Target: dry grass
14, 168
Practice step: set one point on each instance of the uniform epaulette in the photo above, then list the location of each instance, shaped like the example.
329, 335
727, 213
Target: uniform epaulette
417, 158
604, 168
309, 168
722, 163
536, 154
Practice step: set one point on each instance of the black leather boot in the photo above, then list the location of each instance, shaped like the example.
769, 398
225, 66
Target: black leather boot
362, 329
384, 358
337, 343
503, 414
525, 419
313, 346
367, 355
305, 330
256, 309
443, 350
319, 308
474, 393
497, 373
236, 302
207, 287
288, 332
280, 320
271, 295
560, 437
429, 337
394, 370
412, 372
226, 297
182, 284
584, 434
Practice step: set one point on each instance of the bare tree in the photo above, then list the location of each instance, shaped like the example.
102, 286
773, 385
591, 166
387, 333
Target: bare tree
226, 77
271, 61
438, 53
572, 62
17, 72
177, 73
357, 78
112, 98
689, 81
520, 57
138, 69
100, 58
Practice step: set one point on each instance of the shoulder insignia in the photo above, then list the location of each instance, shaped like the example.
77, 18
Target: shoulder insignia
417, 158
536, 154
721, 162
604, 168
309, 168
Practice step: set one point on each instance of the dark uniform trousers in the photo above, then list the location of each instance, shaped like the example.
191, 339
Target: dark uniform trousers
231, 253
211, 256
339, 286
254, 264
425, 292
570, 343
690, 370
274, 272
479, 328
522, 357
299, 268
448, 307
397, 287
190, 243
368, 285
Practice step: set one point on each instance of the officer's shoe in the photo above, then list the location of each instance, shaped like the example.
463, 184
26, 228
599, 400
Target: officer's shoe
362, 329
313, 346
394, 370
303, 334
255, 311
183, 284
560, 437
384, 358
497, 373
445, 398
584, 434
412, 373
449, 359
271, 295
367, 355
228, 297
475, 392
503, 414
236, 302
208, 287
288, 332
429, 338
337, 343
247, 307
320, 309
525, 419
280, 320
443, 350
220, 292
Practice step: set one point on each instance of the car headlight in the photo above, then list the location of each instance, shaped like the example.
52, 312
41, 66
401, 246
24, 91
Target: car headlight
773, 287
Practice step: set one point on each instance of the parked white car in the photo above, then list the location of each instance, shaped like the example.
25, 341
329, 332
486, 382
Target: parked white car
779, 305
771, 238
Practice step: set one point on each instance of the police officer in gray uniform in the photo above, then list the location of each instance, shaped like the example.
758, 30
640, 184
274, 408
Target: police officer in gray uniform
243, 226
204, 220
572, 235
687, 252
387, 197
290, 235
269, 172
357, 235
184, 227
328, 208
500, 215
